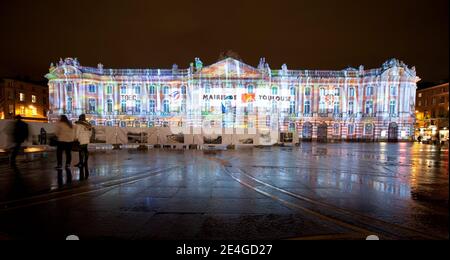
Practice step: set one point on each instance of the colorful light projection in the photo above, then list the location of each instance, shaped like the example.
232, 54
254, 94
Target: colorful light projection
233, 94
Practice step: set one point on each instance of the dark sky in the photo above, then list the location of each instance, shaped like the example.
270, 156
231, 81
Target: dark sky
313, 34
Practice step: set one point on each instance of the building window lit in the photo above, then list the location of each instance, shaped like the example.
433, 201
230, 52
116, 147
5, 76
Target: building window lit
369, 91
336, 129
92, 88
69, 105
307, 108
369, 107
274, 90
420, 95
166, 106
152, 90
336, 108
109, 123
351, 92
33, 99
322, 92
292, 107
183, 90
123, 89
21, 96
137, 106
123, 124
350, 129
92, 105
350, 108
33, 111
337, 92
250, 89
152, 107
392, 107
322, 107
166, 90
292, 91
109, 106
123, 106
393, 91
109, 90
137, 89
419, 103
307, 91
69, 87
368, 129
22, 110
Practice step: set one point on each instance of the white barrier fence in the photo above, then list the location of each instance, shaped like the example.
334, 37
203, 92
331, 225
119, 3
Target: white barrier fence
40, 134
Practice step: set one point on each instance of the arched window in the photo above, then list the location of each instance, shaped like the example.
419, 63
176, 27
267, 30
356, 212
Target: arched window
123, 124
109, 123
336, 129
392, 106
166, 106
393, 91
137, 106
109, 106
336, 107
369, 107
368, 129
166, 90
274, 90
351, 92
308, 91
350, 129
123, 89
152, 90
292, 107
92, 105
307, 108
123, 106
152, 106
109, 89
183, 90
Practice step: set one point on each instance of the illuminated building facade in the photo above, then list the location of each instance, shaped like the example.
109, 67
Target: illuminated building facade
27, 99
351, 104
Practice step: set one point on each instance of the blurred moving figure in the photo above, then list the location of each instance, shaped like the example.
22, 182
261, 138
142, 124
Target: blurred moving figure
83, 133
20, 134
65, 134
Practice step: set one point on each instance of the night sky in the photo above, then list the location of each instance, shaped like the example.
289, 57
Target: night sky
155, 34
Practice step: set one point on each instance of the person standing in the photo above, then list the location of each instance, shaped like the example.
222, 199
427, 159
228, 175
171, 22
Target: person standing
20, 134
65, 134
83, 133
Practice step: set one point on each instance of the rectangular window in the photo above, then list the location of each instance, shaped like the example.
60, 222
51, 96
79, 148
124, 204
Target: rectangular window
123, 89
137, 90
33, 98
419, 103
337, 92
393, 91
350, 108
109, 90
442, 100
92, 105
92, 88
137, 106
433, 101
21, 96
351, 92
420, 94
392, 107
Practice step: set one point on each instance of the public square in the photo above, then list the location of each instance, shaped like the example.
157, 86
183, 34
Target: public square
313, 191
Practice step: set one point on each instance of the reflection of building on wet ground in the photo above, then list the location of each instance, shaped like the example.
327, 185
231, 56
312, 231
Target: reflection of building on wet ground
350, 104
432, 112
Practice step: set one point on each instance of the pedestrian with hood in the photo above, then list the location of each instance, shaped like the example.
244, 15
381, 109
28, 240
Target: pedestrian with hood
65, 134
83, 133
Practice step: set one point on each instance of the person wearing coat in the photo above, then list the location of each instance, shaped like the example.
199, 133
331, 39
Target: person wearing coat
83, 132
65, 134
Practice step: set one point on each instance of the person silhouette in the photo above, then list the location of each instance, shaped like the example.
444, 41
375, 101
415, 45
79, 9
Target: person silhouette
20, 134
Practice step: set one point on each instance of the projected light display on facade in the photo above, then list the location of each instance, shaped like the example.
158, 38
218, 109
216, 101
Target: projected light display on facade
359, 104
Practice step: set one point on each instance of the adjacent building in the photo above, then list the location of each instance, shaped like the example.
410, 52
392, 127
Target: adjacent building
352, 104
28, 99
432, 111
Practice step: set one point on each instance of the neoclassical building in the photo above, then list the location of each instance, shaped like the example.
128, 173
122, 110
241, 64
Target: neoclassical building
350, 104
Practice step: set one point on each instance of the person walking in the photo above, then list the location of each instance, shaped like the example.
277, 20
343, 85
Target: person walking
65, 135
83, 133
20, 134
